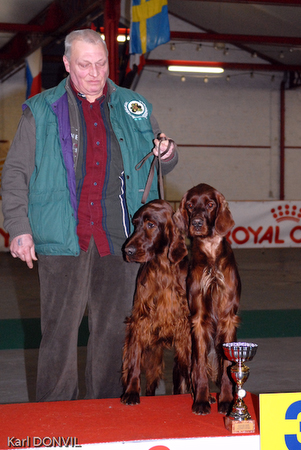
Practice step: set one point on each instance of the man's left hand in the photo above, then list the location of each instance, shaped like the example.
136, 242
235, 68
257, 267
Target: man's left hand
163, 146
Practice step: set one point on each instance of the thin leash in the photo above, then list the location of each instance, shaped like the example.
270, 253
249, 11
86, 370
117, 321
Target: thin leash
153, 167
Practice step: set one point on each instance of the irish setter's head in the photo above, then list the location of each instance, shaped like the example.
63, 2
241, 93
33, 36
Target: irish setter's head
204, 212
155, 234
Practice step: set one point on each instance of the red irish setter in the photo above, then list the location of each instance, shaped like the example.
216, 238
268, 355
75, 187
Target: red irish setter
160, 312
213, 289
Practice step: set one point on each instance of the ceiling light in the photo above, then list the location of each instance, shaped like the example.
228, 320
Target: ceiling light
195, 69
123, 38
219, 45
120, 37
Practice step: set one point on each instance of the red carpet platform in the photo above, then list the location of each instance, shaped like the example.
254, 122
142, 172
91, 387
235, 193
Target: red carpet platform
158, 423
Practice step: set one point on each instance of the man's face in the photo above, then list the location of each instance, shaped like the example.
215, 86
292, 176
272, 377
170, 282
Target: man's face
88, 68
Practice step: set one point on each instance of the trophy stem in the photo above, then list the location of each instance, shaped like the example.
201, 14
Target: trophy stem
240, 373
240, 410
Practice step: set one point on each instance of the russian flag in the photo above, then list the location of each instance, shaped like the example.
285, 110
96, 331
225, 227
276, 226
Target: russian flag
34, 73
149, 25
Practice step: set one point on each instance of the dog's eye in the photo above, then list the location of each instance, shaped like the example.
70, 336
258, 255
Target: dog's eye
189, 206
210, 205
150, 225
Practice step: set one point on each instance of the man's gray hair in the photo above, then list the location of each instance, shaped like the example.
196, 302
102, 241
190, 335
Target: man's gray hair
86, 35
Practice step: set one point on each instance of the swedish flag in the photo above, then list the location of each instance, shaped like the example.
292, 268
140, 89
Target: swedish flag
150, 25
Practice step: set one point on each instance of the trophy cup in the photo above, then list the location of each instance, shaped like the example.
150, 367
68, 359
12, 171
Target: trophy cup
239, 420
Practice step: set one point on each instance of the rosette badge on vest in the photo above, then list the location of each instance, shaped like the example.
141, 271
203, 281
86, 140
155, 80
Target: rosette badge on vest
136, 109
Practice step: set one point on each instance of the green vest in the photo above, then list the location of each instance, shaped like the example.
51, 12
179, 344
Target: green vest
52, 196
130, 119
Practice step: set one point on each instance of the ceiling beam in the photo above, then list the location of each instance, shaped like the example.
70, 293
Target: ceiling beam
174, 35
21, 28
256, 2
53, 23
229, 38
234, 38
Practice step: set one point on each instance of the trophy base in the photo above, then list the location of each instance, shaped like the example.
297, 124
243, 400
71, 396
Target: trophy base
239, 426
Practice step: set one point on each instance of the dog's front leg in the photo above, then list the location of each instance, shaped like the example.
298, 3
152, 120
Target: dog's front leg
131, 367
227, 385
182, 360
199, 376
226, 394
152, 362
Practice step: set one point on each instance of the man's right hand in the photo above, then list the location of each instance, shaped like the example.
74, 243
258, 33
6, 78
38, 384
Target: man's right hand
23, 247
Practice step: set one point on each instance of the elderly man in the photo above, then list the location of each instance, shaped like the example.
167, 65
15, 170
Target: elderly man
70, 189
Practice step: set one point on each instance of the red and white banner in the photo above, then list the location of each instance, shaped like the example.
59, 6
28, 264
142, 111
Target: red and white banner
266, 224
257, 224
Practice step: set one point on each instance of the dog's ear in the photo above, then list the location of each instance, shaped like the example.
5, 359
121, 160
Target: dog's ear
180, 217
177, 246
224, 221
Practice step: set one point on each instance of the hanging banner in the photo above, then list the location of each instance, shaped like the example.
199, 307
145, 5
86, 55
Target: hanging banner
266, 224
257, 225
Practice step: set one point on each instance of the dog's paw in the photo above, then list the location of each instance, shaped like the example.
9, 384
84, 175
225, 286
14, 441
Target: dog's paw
201, 408
224, 407
130, 398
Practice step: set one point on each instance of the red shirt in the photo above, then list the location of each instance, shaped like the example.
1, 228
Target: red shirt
90, 211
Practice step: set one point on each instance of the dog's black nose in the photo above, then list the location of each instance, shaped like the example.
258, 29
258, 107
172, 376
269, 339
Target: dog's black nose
130, 250
197, 223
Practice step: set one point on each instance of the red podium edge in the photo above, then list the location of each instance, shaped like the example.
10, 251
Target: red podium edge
108, 420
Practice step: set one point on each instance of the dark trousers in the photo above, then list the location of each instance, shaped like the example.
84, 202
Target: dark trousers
69, 285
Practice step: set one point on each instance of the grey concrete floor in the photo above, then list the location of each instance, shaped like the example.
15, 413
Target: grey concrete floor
271, 281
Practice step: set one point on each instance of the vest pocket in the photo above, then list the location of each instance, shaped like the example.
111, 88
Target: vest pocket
52, 222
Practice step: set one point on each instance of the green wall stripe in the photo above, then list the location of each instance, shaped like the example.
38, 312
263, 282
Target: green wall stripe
274, 323
25, 333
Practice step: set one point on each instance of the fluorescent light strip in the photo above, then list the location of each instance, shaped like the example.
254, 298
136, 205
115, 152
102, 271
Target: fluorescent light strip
120, 37
195, 69
123, 38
